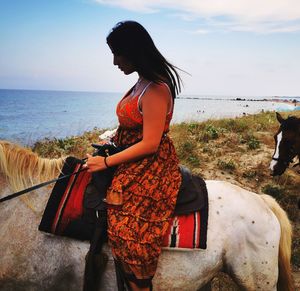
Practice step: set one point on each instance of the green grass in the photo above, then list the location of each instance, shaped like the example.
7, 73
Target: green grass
76, 146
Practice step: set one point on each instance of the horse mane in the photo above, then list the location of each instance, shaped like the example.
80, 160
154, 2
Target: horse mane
24, 168
291, 123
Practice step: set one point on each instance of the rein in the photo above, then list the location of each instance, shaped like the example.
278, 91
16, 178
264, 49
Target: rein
11, 196
285, 162
289, 160
100, 150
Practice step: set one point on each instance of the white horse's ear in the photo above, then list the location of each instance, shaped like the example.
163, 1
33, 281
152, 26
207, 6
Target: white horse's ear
279, 117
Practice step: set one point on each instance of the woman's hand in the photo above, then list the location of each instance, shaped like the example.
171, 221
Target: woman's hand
95, 164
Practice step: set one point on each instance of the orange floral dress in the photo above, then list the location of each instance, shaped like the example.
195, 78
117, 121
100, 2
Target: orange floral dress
148, 190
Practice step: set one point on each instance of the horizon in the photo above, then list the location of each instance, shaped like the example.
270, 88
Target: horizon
186, 95
227, 48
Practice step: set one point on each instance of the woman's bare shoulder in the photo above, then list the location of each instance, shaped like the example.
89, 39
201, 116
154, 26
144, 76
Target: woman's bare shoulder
159, 88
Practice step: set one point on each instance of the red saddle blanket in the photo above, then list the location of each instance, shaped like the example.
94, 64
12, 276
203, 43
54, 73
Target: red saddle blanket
64, 214
186, 231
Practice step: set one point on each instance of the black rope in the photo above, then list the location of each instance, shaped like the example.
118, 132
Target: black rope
11, 196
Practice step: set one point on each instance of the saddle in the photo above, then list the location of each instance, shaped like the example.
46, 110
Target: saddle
192, 193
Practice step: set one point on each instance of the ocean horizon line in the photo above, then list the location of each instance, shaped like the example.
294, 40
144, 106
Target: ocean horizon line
183, 96
55, 90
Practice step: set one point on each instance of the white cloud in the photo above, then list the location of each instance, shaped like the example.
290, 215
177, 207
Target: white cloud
263, 27
236, 15
200, 31
133, 5
184, 16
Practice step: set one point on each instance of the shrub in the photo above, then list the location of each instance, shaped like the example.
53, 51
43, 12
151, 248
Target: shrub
210, 132
194, 161
75, 145
235, 125
193, 128
250, 174
253, 143
226, 165
187, 152
273, 190
187, 147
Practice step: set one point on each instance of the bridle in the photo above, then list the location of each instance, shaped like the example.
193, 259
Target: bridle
291, 155
283, 161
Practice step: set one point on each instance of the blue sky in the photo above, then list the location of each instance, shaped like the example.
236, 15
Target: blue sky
229, 47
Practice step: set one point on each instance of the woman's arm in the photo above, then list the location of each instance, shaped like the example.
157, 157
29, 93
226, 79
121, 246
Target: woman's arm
155, 103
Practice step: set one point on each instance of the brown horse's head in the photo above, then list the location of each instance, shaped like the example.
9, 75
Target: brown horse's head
287, 144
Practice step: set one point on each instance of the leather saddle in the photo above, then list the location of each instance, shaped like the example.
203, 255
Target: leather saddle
192, 195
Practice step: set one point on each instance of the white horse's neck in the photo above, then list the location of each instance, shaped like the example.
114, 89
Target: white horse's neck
23, 168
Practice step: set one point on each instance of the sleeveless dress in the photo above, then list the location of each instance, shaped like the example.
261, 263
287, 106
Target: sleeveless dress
147, 190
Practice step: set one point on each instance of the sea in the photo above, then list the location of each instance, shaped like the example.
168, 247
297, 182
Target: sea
27, 116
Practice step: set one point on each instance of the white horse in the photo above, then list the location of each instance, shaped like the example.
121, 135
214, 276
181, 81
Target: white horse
249, 237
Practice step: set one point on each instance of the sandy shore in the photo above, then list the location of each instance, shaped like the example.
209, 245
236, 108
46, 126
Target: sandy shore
286, 101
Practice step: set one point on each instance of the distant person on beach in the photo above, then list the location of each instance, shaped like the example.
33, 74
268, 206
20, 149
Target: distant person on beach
144, 189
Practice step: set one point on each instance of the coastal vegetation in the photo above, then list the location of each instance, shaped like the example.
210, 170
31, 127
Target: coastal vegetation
237, 150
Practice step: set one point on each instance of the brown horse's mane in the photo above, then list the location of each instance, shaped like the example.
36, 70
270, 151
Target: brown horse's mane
23, 168
291, 123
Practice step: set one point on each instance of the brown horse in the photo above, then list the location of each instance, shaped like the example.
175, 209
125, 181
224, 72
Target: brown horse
287, 144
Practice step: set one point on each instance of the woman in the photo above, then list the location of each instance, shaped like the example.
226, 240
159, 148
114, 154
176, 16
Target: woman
144, 189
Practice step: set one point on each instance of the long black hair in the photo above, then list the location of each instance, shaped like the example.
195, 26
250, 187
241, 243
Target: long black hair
132, 41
